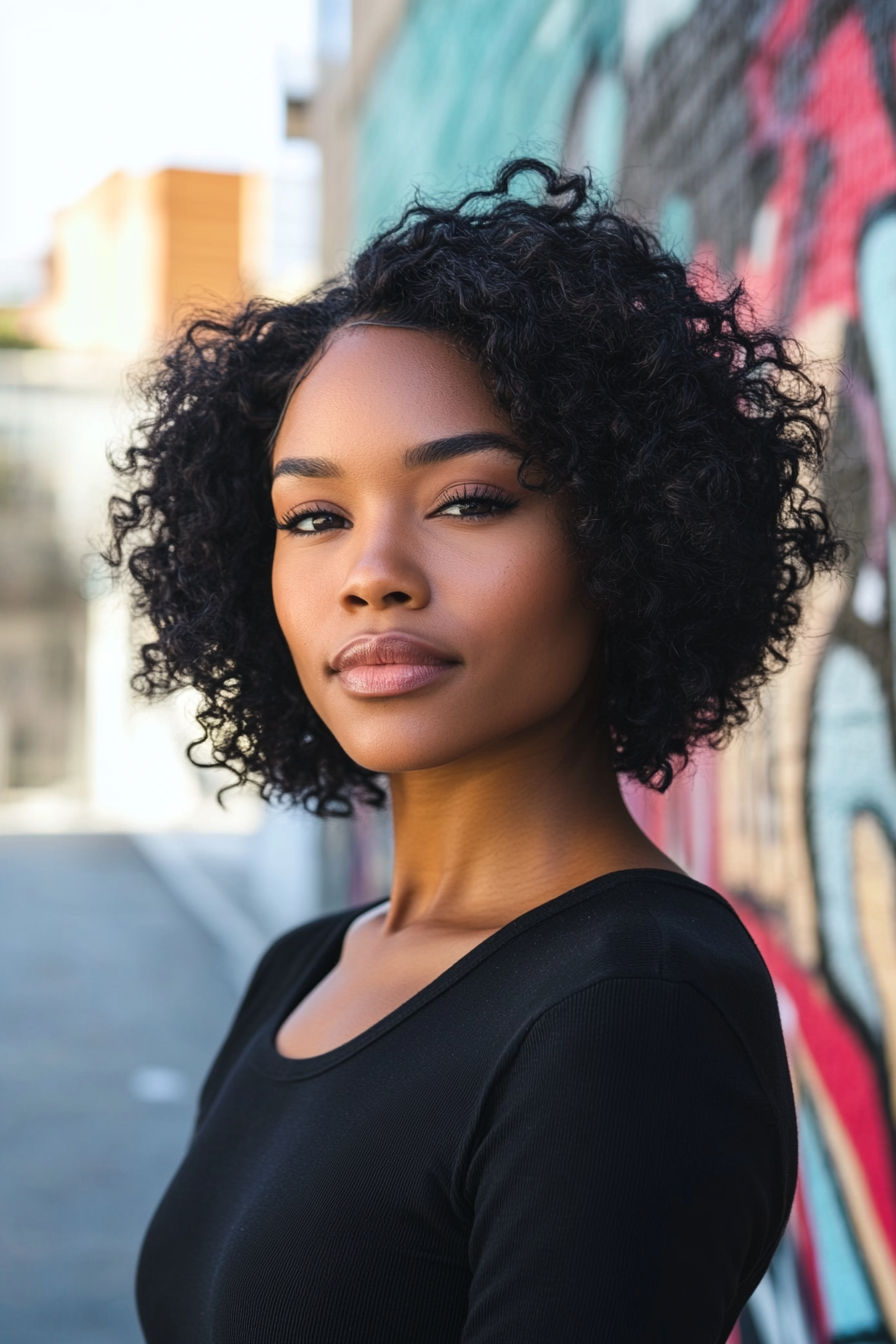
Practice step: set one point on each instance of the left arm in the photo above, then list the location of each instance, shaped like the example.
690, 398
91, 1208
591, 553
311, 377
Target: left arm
628, 1183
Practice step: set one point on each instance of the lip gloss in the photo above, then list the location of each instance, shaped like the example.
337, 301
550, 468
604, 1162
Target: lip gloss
391, 678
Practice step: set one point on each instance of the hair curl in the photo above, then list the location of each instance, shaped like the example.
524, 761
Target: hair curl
681, 433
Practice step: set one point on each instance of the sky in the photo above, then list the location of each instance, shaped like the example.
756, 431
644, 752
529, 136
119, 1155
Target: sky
91, 86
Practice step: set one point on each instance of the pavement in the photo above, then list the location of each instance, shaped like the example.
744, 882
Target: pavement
113, 999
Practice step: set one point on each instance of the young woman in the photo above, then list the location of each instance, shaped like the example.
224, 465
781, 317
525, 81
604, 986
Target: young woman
508, 511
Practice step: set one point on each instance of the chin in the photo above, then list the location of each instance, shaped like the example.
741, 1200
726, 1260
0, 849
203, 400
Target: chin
394, 753
400, 759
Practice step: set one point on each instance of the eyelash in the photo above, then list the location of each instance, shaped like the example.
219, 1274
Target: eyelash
500, 502
291, 521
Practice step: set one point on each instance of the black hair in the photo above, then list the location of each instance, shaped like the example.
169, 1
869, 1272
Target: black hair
683, 434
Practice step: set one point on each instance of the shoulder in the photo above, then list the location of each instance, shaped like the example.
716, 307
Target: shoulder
650, 924
680, 967
647, 975
647, 938
641, 1106
281, 969
288, 957
700, 942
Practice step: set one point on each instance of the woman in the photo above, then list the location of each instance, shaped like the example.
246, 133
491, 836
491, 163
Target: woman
510, 510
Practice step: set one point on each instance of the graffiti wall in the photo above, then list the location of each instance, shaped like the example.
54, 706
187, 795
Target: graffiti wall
761, 135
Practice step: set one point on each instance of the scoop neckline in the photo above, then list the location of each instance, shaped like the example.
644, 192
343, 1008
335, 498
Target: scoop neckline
282, 1067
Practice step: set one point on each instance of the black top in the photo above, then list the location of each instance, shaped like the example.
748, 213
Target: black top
582, 1131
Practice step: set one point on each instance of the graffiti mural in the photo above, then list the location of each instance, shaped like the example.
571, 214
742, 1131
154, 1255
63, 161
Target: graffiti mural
793, 186
760, 136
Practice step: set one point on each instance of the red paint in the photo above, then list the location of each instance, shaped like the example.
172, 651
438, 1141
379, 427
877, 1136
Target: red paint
845, 1068
842, 113
682, 821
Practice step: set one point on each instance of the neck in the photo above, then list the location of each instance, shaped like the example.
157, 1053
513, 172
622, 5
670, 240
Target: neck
481, 840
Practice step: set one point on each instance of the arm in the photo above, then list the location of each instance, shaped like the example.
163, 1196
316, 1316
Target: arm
627, 1185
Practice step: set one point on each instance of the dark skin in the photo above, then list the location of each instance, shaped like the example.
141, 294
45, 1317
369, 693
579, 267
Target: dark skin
434, 612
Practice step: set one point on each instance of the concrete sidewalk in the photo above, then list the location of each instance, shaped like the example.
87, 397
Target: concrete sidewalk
113, 999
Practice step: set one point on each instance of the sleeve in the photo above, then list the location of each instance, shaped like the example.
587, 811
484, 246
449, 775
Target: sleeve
627, 1184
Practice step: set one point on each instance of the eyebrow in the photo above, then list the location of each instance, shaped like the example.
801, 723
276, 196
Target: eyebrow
306, 466
422, 455
458, 445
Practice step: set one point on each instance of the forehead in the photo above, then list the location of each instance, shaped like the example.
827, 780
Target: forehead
386, 386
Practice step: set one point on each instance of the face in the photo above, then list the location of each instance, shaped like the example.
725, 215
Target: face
431, 603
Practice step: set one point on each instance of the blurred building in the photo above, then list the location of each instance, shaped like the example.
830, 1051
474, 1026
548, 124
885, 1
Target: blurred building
133, 258
759, 135
41, 639
130, 263
56, 416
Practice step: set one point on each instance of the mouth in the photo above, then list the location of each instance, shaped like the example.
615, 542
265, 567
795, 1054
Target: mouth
394, 664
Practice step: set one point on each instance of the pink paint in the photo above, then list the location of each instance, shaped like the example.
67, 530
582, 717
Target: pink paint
843, 114
682, 821
845, 1068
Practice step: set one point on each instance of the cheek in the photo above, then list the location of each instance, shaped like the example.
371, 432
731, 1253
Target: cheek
533, 633
296, 603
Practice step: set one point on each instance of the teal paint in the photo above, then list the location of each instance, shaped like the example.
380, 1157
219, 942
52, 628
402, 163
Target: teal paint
848, 1299
850, 771
776, 1307
603, 126
469, 82
851, 767
877, 292
677, 226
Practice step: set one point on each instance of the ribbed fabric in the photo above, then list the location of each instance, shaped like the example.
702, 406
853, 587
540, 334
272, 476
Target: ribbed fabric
582, 1131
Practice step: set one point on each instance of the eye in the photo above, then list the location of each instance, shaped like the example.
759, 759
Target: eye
476, 502
309, 521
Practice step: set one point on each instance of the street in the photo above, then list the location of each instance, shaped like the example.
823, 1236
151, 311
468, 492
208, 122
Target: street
112, 1002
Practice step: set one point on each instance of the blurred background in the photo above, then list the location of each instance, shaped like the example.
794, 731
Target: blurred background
155, 159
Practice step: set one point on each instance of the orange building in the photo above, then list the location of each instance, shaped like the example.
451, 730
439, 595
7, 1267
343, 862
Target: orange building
134, 256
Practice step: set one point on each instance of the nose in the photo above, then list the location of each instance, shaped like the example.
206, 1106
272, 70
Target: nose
384, 573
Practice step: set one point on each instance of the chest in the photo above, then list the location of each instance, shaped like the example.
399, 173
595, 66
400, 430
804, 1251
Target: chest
375, 975
297, 1188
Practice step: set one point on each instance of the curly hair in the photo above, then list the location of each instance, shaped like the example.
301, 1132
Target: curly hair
683, 435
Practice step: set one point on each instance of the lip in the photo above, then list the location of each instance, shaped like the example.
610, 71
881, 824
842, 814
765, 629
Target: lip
390, 664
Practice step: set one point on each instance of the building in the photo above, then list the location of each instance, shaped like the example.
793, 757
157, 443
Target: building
130, 263
759, 135
130, 259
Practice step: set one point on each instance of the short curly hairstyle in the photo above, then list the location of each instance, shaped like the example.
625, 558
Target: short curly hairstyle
683, 435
